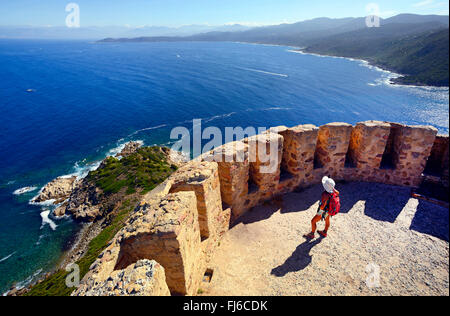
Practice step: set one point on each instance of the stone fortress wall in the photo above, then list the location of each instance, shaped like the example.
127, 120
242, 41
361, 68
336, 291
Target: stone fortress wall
166, 245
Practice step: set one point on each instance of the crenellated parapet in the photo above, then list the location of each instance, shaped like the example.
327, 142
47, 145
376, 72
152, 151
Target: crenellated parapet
332, 146
173, 234
298, 156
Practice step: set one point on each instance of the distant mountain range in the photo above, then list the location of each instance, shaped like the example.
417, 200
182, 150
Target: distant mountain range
96, 33
415, 46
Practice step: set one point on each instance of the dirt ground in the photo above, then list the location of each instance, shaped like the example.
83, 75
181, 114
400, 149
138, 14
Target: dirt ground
380, 229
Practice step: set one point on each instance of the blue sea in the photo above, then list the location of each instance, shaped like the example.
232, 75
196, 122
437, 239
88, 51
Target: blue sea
65, 105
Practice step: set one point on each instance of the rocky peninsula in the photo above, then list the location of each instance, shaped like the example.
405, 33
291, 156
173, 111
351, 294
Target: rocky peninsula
101, 200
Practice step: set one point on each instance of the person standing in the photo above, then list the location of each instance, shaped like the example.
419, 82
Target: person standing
329, 206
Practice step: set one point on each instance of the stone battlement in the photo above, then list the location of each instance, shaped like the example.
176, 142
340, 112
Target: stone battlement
178, 225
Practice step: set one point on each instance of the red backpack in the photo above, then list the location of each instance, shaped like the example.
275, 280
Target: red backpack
335, 204
333, 201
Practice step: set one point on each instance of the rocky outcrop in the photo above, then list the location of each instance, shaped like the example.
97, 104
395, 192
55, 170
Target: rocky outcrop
143, 278
60, 210
177, 158
129, 149
58, 190
85, 202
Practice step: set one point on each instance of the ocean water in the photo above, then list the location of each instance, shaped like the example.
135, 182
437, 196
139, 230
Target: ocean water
87, 99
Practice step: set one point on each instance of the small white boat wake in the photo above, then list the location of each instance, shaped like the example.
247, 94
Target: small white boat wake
266, 72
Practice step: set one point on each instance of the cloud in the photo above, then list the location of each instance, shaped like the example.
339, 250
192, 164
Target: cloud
431, 4
423, 3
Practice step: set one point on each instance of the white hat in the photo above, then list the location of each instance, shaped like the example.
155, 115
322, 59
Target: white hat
328, 184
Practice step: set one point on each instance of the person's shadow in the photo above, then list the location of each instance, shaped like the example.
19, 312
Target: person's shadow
299, 259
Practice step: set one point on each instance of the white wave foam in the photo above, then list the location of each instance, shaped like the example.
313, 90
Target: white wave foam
206, 120
312, 54
47, 220
45, 203
82, 171
24, 190
116, 150
39, 240
67, 176
385, 80
266, 72
7, 257
27, 281
424, 88
148, 129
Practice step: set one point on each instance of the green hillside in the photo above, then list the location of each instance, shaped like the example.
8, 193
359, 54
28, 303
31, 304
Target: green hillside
423, 58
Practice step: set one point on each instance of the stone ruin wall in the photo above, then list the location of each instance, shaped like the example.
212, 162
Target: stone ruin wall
166, 245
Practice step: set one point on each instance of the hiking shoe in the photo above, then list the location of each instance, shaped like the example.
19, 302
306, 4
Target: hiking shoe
323, 233
310, 236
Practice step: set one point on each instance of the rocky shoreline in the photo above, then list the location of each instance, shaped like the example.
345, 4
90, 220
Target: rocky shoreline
78, 197
88, 232
85, 202
395, 79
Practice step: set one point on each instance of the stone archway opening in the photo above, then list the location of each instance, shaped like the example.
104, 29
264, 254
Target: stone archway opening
390, 155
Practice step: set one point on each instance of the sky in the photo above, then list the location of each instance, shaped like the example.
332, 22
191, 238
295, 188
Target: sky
137, 13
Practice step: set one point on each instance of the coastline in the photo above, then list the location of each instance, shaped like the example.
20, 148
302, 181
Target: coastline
79, 242
363, 62
91, 234
394, 75
78, 248
377, 67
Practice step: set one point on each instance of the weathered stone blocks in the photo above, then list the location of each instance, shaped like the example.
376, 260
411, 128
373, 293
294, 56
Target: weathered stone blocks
234, 169
332, 145
144, 278
298, 154
367, 145
265, 155
412, 147
439, 159
437, 164
203, 179
167, 232
390, 153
